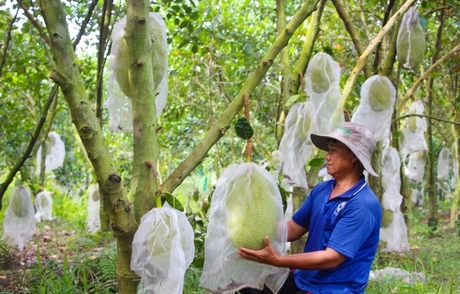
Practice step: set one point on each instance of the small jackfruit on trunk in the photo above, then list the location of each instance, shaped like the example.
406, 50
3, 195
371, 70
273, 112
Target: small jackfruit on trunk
119, 90
245, 208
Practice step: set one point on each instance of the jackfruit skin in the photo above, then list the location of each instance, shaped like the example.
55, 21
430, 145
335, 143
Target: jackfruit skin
379, 95
411, 44
159, 55
19, 208
387, 218
251, 211
321, 77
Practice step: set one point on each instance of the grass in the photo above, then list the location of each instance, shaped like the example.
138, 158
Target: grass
63, 258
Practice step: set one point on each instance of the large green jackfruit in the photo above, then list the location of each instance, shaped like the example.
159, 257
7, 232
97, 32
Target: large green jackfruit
19, 204
321, 76
387, 218
411, 44
252, 211
159, 55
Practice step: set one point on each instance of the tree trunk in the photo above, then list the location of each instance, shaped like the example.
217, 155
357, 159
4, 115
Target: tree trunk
66, 74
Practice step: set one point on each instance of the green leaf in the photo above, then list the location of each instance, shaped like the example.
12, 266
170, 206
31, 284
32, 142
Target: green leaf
243, 129
172, 200
316, 162
293, 99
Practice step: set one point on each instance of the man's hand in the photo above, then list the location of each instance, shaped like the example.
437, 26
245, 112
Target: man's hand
267, 255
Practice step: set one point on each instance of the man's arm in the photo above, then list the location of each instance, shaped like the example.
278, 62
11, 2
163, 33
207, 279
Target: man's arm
294, 230
316, 260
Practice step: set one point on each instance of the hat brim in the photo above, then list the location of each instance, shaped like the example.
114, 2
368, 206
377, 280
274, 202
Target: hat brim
321, 142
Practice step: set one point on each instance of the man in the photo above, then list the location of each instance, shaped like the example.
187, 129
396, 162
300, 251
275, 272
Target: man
342, 217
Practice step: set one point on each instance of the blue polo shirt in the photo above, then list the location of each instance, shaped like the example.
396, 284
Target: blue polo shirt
349, 224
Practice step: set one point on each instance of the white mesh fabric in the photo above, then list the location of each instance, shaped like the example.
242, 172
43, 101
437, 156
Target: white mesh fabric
411, 42
19, 222
414, 133
43, 206
443, 165
163, 249
93, 219
224, 271
416, 167
296, 147
118, 104
395, 235
376, 119
55, 153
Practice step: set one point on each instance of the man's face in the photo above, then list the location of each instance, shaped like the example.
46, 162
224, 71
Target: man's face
339, 159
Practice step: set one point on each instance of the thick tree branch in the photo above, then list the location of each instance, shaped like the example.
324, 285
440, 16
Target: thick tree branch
352, 32
363, 58
218, 129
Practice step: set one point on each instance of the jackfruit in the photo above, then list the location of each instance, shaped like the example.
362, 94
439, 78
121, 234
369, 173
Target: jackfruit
252, 210
321, 76
19, 199
380, 94
159, 54
411, 42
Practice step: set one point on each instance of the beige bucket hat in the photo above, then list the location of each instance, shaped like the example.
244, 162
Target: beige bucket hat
356, 137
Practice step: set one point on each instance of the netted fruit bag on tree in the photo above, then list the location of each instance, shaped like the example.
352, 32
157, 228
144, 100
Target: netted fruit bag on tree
93, 219
414, 133
19, 222
44, 206
411, 44
394, 229
416, 166
375, 109
322, 87
55, 153
295, 147
443, 166
163, 249
245, 208
119, 91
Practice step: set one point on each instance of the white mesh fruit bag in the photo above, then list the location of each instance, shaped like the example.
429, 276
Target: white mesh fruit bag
245, 208
414, 133
295, 147
119, 103
416, 166
375, 109
19, 222
43, 206
411, 44
93, 219
163, 249
322, 86
443, 166
55, 153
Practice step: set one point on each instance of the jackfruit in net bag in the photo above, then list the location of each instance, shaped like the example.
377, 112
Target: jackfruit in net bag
395, 235
443, 166
118, 103
245, 208
19, 222
55, 153
323, 73
414, 133
411, 44
375, 109
391, 163
44, 206
163, 249
416, 166
295, 147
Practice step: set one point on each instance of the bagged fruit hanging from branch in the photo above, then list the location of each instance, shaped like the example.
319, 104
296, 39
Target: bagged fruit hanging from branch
295, 147
375, 109
163, 249
19, 222
245, 208
414, 132
322, 87
44, 206
443, 165
55, 153
119, 91
93, 219
411, 44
